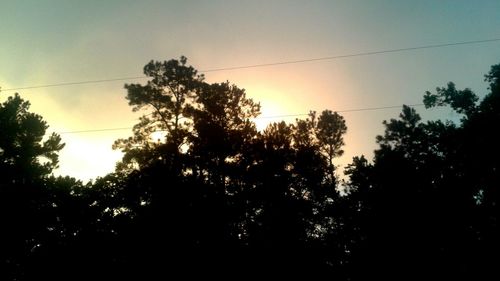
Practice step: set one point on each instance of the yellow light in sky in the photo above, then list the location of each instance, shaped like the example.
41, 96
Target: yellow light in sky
88, 156
158, 136
273, 106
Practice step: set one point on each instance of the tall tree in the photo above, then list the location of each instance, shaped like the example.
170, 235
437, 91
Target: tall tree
168, 94
215, 182
24, 155
26, 161
330, 131
222, 127
428, 201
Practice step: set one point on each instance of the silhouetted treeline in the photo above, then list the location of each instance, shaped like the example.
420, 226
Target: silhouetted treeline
213, 197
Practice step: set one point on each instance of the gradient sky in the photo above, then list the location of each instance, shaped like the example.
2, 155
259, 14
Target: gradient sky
46, 42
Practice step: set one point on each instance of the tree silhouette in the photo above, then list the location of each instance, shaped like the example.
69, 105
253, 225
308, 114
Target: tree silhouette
24, 157
168, 93
422, 203
26, 160
216, 197
217, 183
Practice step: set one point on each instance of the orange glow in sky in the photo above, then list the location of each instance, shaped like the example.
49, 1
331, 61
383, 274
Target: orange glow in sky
79, 41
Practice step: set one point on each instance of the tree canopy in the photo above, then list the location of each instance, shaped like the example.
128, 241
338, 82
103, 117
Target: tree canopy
429, 200
213, 196
24, 155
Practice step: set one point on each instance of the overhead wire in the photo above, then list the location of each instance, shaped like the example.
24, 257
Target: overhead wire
355, 55
74, 83
387, 51
260, 117
258, 66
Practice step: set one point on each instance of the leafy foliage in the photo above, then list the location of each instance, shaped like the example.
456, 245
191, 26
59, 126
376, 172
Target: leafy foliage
429, 200
24, 156
216, 197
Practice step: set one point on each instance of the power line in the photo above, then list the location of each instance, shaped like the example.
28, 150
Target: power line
261, 117
433, 46
341, 111
379, 108
75, 83
356, 55
96, 130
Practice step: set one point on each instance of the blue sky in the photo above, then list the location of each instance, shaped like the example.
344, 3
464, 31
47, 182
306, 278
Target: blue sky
45, 42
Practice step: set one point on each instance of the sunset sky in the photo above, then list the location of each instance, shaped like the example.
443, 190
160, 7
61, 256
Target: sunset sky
49, 42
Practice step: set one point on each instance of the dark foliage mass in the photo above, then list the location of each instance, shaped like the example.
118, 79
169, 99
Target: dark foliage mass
214, 197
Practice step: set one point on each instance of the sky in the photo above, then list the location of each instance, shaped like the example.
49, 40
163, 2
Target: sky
49, 42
